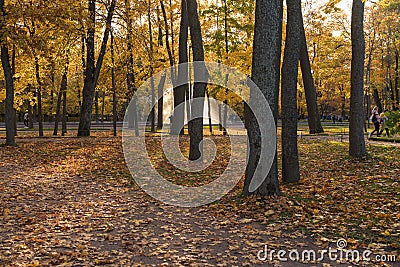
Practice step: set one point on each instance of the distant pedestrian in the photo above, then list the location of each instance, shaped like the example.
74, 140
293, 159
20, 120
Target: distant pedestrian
384, 126
26, 119
375, 119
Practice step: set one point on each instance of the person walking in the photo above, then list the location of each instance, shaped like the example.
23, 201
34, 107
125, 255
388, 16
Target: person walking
375, 119
384, 126
26, 119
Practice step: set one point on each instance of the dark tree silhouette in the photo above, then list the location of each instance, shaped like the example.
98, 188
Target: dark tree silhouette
92, 71
356, 138
265, 74
290, 158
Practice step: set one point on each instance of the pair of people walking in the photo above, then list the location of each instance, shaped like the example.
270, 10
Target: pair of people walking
380, 123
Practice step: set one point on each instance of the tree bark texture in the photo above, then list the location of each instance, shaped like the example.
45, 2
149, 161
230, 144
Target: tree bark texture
356, 136
290, 158
266, 75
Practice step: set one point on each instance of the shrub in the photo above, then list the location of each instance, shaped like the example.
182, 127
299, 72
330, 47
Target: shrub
394, 122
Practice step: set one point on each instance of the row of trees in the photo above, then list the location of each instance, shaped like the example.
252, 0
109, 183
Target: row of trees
228, 33
54, 45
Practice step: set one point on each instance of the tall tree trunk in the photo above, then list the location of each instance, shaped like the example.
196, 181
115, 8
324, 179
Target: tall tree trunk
39, 96
53, 83
114, 88
151, 56
96, 105
209, 112
13, 73
83, 68
377, 100
367, 101
199, 89
64, 113
30, 120
130, 76
266, 75
226, 57
314, 122
160, 113
35, 110
153, 110
8, 75
63, 87
171, 20
179, 91
13, 55
220, 117
225, 115
160, 34
92, 72
87, 91
290, 158
357, 142
169, 51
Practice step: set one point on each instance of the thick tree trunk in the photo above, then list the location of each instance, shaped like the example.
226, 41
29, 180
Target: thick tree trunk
199, 89
39, 96
265, 74
290, 158
8, 75
357, 142
179, 92
87, 91
92, 72
63, 87
314, 122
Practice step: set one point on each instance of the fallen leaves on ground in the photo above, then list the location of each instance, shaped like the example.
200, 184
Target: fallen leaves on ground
72, 202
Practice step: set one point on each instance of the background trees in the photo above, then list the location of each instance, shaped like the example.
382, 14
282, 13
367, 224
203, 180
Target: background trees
44, 36
63, 26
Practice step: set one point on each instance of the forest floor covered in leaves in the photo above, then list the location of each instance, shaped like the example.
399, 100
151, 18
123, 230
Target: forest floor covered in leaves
72, 202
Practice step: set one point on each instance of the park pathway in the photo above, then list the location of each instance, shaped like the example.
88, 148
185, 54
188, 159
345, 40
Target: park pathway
68, 202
